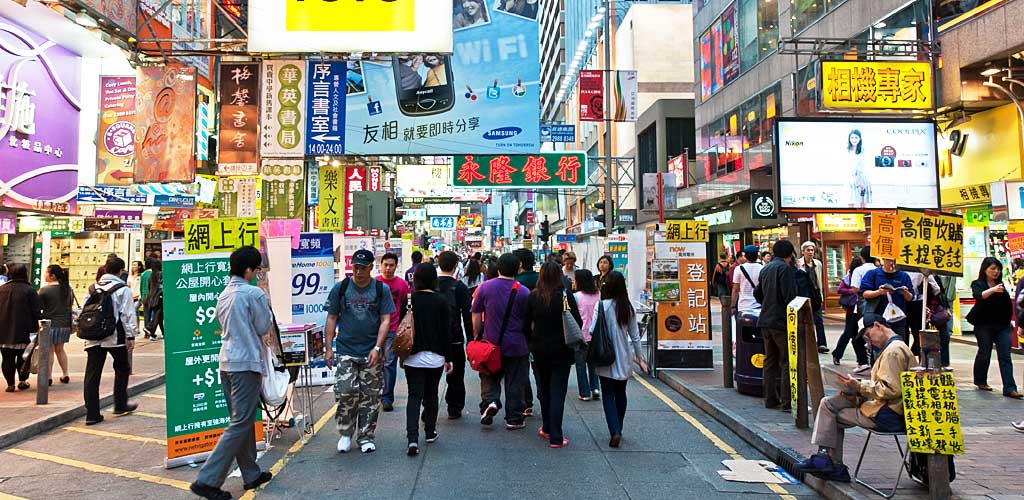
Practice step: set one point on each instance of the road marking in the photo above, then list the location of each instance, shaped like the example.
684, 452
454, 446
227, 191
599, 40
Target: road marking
154, 396
126, 437
150, 415
296, 447
717, 441
5, 496
100, 469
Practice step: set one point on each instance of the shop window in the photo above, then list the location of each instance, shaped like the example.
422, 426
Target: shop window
748, 25
751, 112
679, 137
807, 93
768, 27
772, 108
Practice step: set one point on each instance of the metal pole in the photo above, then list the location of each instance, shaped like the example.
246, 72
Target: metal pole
609, 205
727, 372
43, 345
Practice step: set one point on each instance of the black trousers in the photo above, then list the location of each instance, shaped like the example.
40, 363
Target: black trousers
423, 384
12, 362
552, 385
97, 357
614, 401
455, 398
516, 377
913, 326
776, 368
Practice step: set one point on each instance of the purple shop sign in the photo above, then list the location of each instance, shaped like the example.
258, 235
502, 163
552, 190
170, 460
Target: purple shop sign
39, 98
8, 223
131, 220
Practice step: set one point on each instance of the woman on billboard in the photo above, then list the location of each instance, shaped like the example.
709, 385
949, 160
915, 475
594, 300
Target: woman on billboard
860, 185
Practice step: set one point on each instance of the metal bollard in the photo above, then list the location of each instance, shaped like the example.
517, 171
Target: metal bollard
727, 373
44, 343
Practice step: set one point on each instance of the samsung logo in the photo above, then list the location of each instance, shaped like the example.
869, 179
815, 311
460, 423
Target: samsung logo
795, 143
502, 133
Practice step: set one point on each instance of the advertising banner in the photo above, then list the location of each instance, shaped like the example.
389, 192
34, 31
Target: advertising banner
730, 45
332, 196
39, 114
220, 235
872, 165
282, 108
557, 133
707, 66
591, 84
484, 98
442, 223
545, 170
355, 180
110, 195
680, 276
8, 223
619, 252
383, 27
115, 142
238, 138
166, 200
312, 277
716, 45
686, 230
831, 223
350, 246
239, 196
33, 224
876, 85
130, 220
326, 88
626, 94
197, 410
1014, 199
122, 13
165, 110
171, 219
283, 191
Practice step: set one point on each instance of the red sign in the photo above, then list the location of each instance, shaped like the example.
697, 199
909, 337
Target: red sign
677, 166
529, 216
355, 180
591, 95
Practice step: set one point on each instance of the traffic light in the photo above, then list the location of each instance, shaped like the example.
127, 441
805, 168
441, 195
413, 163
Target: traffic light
601, 218
395, 214
545, 230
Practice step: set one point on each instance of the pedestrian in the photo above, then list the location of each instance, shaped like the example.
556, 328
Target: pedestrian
886, 284
528, 278
19, 319
502, 301
399, 293
814, 269
3, 274
915, 309
991, 317
244, 314
729, 282
744, 280
777, 288
135, 283
805, 288
100, 273
359, 313
431, 351
144, 283
460, 321
492, 269
57, 299
587, 295
118, 345
417, 258
848, 298
153, 303
766, 257
552, 358
473, 276
604, 266
719, 282
569, 265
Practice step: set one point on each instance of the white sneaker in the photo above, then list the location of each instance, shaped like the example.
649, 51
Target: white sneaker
344, 444
862, 370
368, 447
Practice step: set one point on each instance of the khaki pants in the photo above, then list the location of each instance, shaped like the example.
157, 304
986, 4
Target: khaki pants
835, 415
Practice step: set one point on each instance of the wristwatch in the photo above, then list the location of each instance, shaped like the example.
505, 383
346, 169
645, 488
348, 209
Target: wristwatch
376, 348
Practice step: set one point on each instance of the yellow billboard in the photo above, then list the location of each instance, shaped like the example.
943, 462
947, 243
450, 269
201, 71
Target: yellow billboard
876, 85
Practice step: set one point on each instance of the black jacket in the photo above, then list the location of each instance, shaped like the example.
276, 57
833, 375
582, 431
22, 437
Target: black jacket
431, 322
463, 302
20, 312
777, 282
542, 326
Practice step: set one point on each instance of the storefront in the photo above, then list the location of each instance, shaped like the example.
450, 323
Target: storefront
841, 236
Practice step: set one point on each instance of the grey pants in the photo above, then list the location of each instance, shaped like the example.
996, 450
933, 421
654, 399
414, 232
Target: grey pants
238, 443
835, 415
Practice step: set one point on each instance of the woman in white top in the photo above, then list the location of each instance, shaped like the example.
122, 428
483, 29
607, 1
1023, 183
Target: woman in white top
473, 276
429, 357
625, 333
860, 185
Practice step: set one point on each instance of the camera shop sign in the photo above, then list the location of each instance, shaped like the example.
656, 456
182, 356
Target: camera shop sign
876, 85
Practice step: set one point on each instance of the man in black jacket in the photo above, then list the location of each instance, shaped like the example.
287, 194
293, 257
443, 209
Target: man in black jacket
777, 287
461, 324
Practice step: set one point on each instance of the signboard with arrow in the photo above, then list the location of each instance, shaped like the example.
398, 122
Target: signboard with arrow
326, 87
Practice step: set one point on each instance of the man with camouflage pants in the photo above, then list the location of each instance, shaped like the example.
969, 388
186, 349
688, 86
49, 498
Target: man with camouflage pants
359, 311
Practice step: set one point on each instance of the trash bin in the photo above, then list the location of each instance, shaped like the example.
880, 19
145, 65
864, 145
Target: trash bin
749, 374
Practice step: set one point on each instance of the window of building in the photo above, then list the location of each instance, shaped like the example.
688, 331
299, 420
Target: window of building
805, 12
768, 27
906, 25
647, 150
679, 137
947, 12
752, 111
748, 29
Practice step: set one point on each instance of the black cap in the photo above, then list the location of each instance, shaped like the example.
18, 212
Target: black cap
868, 320
362, 258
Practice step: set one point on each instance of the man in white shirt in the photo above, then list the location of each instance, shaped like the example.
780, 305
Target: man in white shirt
869, 264
744, 280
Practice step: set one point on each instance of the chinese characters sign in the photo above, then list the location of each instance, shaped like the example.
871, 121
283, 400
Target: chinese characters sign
238, 139
239, 195
885, 236
931, 413
686, 324
686, 230
325, 114
332, 195
831, 223
932, 241
591, 95
283, 103
165, 109
220, 235
977, 194
355, 180
283, 191
115, 142
544, 170
876, 84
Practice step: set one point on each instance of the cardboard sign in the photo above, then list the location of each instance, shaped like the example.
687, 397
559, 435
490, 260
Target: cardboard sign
931, 241
931, 413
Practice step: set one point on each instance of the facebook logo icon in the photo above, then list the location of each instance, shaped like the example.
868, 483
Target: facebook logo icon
374, 108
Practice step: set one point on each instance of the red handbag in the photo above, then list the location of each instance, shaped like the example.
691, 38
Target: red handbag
483, 356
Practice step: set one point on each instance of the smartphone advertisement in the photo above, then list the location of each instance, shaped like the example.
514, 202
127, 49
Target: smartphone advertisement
482, 99
1015, 200
856, 164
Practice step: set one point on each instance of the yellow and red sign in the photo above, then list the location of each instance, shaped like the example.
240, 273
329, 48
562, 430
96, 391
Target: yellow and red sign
876, 85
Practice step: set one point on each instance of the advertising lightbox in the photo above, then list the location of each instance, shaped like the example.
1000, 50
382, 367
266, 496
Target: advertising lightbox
856, 164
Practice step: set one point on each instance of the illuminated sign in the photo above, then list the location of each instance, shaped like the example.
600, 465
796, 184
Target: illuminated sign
876, 85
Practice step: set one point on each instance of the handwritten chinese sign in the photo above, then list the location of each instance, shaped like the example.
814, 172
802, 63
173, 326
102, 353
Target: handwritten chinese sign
220, 235
238, 139
282, 122
931, 413
544, 170
686, 230
793, 347
931, 240
876, 84
885, 236
332, 197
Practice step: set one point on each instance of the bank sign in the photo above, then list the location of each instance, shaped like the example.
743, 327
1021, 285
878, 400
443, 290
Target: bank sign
544, 170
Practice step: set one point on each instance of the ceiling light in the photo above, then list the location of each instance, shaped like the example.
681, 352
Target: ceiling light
84, 20
880, 25
990, 71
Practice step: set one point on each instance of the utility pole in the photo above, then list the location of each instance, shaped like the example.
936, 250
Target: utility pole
609, 204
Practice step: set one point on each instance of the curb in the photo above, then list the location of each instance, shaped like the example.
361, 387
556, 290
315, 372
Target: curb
960, 339
44, 424
783, 455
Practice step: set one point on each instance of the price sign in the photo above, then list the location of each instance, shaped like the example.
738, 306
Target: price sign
312, 277
442, 222
932, 241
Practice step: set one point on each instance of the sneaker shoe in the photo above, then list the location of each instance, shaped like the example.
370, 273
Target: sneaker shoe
432, 437
1018, 426
265, 476
815, 463
528, 412
584, 398
128, 408
839, 473
596, 395
488, 416
515, 427
565, 442
413, 449
94, 422
368, 447
209, 492
862, 370
389, 407
344, 444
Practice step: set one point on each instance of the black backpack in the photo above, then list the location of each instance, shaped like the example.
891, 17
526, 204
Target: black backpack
98, 319
447, 289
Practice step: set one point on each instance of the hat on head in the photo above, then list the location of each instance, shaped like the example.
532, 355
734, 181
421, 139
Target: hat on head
868, 320
751, 249
362, 258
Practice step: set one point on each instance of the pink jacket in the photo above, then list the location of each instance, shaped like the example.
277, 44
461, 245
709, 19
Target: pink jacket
586, 304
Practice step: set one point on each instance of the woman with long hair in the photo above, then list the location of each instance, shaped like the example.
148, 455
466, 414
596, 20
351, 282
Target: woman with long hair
587, 297
625, 333
473, 12
492, 268
604, 266
135, 282
552, 359
57, 298
852, 316
860, 185
430, 350
991, 317
153, 303
474, 275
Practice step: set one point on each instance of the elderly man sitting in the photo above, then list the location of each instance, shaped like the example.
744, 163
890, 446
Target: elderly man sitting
872, 404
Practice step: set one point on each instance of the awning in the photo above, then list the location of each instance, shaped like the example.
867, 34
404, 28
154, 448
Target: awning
169, 189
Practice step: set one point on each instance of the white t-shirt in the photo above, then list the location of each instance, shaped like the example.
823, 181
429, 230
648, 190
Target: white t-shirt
746, 302
858, 274
425, 359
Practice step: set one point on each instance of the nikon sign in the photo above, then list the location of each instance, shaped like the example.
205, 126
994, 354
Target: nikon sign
381, 26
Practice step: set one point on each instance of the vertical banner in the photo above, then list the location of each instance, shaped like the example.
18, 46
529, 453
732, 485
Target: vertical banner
618, 250
239, 196
284, 190
312, 277
885, 236
591, 84
626, 94
282, 107
332, 194
165, 110
197, 411
730, 62
326, 88
684, 312
238, 138
115, 142
373, 182
355, 180
707, 66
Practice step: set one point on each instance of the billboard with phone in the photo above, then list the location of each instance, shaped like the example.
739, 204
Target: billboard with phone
856, 164
482, 99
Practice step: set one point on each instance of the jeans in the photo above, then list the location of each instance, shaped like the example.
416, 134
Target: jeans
515, 376
850, 334
12, 365
776, 368
614, 401
238, 443
586, 375
455, 398
390, 370
96, 357
1000, 336
423, 384
819, 326
552, 384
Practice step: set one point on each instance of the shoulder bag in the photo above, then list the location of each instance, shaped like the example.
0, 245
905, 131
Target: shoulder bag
601, 351
483, 356
573, 333
405, 336
275, 381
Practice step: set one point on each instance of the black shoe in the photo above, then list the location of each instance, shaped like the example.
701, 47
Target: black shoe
413, 449
431, 436
839, 473
209, 492
615, 440
130, 407
24, 386
94, 422
265, 476
823, 349
835, 361
389, 407
786, 408
454, 415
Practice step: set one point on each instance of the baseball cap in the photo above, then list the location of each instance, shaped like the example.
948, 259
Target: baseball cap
362, 257
868, 320
751, 249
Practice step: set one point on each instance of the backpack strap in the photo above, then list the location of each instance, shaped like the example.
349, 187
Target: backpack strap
341, 294
745, 275
508, 311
